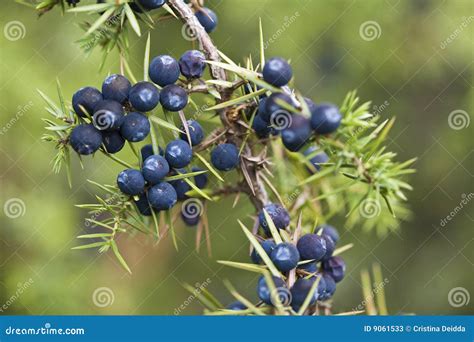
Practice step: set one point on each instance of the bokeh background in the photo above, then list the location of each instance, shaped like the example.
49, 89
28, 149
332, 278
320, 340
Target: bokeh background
418, 66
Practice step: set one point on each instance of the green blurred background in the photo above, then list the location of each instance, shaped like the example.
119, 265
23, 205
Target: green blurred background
409, 70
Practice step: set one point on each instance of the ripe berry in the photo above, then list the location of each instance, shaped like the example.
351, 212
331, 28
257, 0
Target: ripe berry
200, 180
295, 136
85, 139
267, 246
330, 288
162, 196
116, 87
155, 168
143, 206
85, 99
335, 267
164, 70
277, 72
180, 185
108, 115
329, 230
173, 98
113, 141
236, 306
192, 64
147, 151
225, 157
195, 132
135, 127
278, 214
310, 267
272, 107
325, 119
316, 160
131, 182
261, 127
144, 96
178, 153
207, 18
301, 289
311, 105
263, 290
330, 246
151, 4
285, 256
311, 247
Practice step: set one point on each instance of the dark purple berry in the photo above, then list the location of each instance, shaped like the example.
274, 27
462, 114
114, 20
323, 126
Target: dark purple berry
329, 230
162, 196
108, 115
178, 153
330, 288
113, 141
155, 168
335, 267
135, 127
277, 72
164, 70
236, 306
225, 157
301, 289
151, 4
192, 64
85, 99
196, 132
143, 206
267, 246
144, 96
278, 214
285, 256
116, 87
261, 127
131, 182
325, 119
200, 180
272, 108
207, 18
147, 150
263, 290
173, 98
85, 139
296, 135
330, 246
311, 247
315, 159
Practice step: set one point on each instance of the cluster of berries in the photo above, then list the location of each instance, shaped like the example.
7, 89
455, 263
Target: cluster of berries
296, 130
118, 114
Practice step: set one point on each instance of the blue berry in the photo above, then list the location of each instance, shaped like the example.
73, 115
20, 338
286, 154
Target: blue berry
135, 127
151, 4
200, 180
272, 107
277, 72
116, 87
207, 18
263, 290
325, 119
113, 141
143, 206
178, 153
261, 127
85, 139
330, 246
147, 150
267, 246
162, 196
192, 64
310, 267
278, 214
301, 288
195, 132
144, 96
335, 267
131, 182
180, 185
330, 287
108, 115
155, 168
225, 157
311, 105
316, 160
329, 230
190, 220
86, 99
296, 135
311, 247
173, 98
285, 256
236, 306
164, 70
